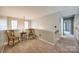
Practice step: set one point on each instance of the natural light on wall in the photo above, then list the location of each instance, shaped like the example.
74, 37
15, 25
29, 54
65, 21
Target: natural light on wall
3, 24
36, 25
14, 24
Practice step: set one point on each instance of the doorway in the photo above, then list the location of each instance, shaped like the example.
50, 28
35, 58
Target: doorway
68, 26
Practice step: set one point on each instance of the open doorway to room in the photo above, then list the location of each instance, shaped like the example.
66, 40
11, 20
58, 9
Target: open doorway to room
68, 26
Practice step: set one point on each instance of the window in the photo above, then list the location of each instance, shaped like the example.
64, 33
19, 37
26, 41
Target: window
3, 24
14, 24
25, 24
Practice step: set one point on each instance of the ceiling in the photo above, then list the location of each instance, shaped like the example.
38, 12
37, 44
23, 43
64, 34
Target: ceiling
33, 12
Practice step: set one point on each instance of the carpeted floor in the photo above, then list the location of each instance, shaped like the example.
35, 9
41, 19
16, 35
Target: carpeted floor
67, 44
38, 46
30, 46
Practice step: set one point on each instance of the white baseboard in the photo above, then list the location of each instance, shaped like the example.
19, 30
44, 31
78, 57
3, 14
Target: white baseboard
47, 41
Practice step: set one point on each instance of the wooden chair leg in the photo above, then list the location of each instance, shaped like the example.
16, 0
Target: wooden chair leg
8, 42
13, 42
18, 39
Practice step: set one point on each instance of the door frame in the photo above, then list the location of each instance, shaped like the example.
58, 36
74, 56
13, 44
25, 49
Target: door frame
72, 24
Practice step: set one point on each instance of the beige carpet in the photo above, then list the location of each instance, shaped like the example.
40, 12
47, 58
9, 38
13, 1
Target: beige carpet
67, 44
30, 46
38, 46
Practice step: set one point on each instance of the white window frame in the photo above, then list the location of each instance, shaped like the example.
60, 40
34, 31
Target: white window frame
14, 24
26, 24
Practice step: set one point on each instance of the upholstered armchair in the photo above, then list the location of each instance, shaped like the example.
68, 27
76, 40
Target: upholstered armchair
11, 37
31, 34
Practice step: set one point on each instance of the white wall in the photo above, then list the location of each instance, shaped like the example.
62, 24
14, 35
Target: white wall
45, 26
61, 27
76, 26
47, 22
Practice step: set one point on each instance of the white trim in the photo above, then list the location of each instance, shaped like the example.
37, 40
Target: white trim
47, 41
